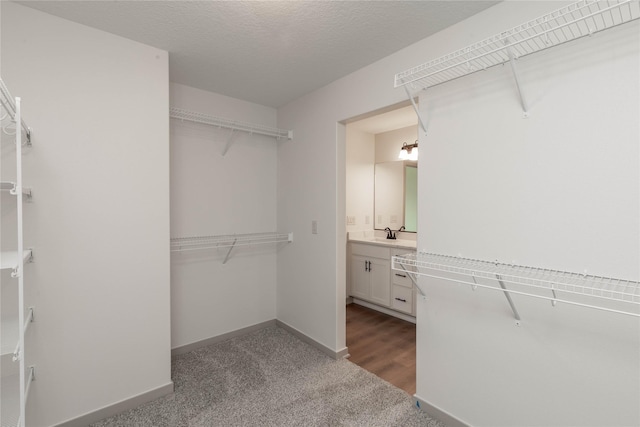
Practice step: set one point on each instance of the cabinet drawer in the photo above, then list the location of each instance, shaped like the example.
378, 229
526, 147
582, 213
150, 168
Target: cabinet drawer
371, 251
401, 278
402, 299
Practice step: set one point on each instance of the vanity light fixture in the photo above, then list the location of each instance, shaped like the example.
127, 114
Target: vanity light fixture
409, 151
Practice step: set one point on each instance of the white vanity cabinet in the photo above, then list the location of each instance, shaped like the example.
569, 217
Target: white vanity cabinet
370, 269
373, 281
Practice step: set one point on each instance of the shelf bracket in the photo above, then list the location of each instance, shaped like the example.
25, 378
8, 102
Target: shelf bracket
413, 279
509, 300
230, 249
230, 142
415, 107
17, 354
514, 70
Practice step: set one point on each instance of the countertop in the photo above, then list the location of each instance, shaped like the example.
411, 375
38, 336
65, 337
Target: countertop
372, 239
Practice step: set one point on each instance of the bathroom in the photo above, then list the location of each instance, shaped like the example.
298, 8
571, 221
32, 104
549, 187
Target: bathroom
381, 206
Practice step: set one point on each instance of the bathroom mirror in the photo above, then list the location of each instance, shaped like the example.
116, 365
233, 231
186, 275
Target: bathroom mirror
396, 195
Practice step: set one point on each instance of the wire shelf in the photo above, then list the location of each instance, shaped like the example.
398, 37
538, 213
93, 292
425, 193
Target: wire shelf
12, 188
9, 106
180, 244
577, 20
181, 114
603, 293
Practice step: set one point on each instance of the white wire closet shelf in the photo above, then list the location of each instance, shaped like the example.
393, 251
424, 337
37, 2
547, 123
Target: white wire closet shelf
603, 293
577, 20
9, 106
17, 391
12, 188
10, 410
182, 244
181, 114
9, 335
11, 259
10, 402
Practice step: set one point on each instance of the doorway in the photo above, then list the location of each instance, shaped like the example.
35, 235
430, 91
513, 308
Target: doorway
380, 312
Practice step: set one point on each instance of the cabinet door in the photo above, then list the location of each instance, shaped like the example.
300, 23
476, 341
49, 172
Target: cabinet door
380, 291
359, 277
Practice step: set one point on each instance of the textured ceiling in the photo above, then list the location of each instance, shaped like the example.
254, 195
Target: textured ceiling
267, 52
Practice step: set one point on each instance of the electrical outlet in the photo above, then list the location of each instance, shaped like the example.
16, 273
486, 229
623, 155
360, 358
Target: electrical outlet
351, 220
367, 220
314, 227
379, 219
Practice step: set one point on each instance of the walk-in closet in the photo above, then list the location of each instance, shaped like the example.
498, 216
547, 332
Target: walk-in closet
199, 199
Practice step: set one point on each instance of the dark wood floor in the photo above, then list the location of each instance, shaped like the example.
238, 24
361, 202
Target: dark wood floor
383, 345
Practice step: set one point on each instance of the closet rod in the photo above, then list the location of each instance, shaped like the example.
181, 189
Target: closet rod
181, 114
598, 292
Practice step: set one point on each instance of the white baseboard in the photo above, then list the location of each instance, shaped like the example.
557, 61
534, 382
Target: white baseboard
436, 412
118, 407
340, 354
213, 340
385, 310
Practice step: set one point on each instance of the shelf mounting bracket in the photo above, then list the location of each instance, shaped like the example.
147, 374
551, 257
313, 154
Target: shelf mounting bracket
415, 107
509, 300
230, 142
230, 249
514, 70
413, 279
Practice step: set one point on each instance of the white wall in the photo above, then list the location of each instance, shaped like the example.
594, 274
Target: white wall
311, 278
557, 190
363, 150
388, 144
216, 195
360, 156
99, 221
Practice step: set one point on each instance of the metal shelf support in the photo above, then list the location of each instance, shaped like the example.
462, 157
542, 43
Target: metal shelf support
514, 70
415, 108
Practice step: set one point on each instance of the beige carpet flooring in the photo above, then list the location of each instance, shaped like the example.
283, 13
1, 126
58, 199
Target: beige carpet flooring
270, 378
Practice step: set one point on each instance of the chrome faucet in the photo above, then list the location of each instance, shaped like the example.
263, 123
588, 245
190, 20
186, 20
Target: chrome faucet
401, 229
390, 234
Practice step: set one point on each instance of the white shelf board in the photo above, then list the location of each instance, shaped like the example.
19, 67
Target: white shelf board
9, 259
10, 401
